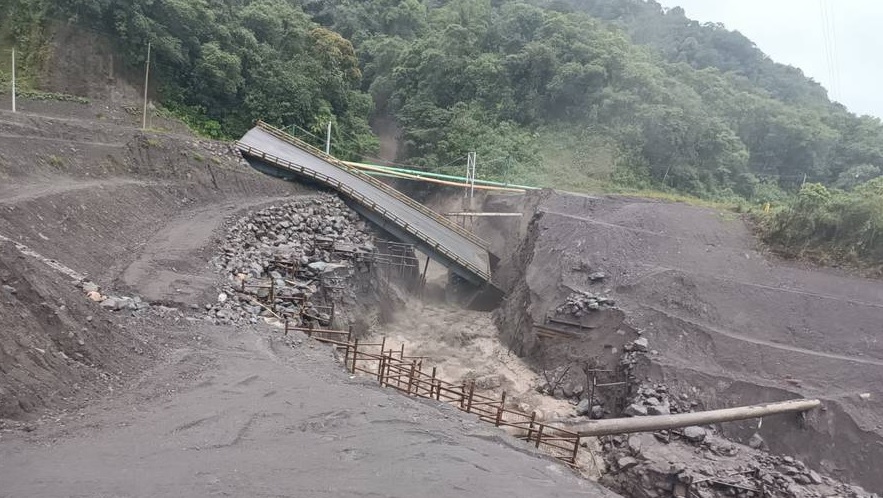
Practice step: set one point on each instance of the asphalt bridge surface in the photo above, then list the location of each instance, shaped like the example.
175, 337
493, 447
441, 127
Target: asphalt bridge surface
434, 236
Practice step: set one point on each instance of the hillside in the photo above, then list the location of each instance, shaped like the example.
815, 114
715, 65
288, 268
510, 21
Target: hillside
581, 95
658, 100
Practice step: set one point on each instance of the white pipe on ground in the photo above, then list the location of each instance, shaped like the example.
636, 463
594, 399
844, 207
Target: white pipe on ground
661, 422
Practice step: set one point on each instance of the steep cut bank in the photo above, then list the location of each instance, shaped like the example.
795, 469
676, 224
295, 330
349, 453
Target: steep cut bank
134, 212
725, 324
56, 347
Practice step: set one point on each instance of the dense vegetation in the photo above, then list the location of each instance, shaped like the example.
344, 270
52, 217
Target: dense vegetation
576, 94
831, 226
222, 64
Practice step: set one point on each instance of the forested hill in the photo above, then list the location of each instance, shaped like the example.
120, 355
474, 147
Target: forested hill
692, 107
567, 93
701, 45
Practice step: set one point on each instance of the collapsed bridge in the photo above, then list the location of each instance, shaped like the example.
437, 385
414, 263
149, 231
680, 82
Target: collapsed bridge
279, 154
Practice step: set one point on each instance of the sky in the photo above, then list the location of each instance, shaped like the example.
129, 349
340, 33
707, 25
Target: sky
793, 32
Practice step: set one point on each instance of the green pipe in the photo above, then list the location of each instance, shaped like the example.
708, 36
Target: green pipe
451, 177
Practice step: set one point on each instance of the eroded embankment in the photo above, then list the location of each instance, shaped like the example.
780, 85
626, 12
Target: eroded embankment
98, 206
55, 345
725, 324
130, 210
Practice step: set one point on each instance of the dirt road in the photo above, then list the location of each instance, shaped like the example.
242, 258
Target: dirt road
172, 266
236, 413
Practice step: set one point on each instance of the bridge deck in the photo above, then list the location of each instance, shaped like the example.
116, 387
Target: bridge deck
444, 241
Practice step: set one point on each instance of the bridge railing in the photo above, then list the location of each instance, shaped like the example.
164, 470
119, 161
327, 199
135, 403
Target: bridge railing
367, 202
285, 137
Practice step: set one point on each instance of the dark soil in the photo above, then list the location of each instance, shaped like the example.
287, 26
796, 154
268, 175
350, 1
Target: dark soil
728, 324
54, 349
159, 402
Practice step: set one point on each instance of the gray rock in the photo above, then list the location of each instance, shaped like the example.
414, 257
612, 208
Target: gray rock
111, 303
626, 463
596, 276
661, 409
814, 477
802, 479
788, 469
695, 434
90, 287
642, 344
126, 303
318, 266
756, 442
635, 410
638, 442
10, 289
583, 407
597, 412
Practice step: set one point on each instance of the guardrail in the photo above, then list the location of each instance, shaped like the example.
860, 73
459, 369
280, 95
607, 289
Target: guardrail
362, 199
395, 370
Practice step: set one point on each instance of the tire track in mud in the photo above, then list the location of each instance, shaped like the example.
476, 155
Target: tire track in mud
761, 342
63, 140
35, 191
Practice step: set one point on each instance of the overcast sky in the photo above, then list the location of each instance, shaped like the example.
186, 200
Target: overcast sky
792, 32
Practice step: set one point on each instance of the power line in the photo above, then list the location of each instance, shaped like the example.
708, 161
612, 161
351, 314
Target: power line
829, 42
834, 50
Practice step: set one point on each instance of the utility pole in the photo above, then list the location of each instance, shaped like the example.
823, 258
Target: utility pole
328, 140
470, 174
13, 79
472, 188
146, 83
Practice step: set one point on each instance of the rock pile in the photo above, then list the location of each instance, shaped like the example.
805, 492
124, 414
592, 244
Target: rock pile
287, 253
113, 303
655, 399
582, 302
654, 465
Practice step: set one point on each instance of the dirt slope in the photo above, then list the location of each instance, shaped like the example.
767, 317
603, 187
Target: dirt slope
199, 409
723, 317
54, 347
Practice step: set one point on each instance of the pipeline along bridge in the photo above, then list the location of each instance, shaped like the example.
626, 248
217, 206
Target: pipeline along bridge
279, 154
